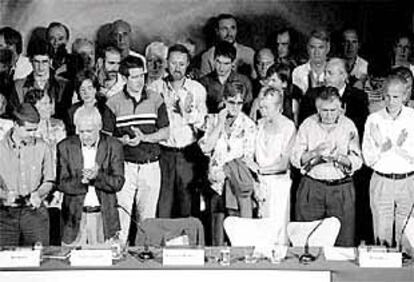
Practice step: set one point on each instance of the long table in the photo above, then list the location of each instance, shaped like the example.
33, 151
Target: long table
289, 267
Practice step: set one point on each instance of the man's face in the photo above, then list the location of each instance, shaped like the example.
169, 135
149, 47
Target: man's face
136, 79
318, 50
395, 95
122, 37
3, 44
26, 132
234, 105
282, 44
88, 132
57, 36
334, 75
111, 64
155, 66
87, 52
227, 30
223, 66
41, 64
177, 65
403, 49
264, 61
328, 110
350, 44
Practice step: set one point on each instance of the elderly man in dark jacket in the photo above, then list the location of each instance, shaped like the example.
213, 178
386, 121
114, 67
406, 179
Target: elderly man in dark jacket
90, 172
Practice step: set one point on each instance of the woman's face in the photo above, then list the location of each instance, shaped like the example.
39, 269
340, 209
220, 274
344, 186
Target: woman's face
45, 107
270, 104
87, 91
402, 49
276, 82
234, 105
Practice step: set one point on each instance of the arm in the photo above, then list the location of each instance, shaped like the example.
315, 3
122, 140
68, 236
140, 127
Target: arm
213, 131
48, 174
353, 160
197, 110
372, 143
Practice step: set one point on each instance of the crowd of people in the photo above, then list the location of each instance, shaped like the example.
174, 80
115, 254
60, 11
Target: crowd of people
94, 136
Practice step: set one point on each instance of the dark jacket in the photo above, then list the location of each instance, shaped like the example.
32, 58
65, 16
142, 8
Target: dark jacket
110, 180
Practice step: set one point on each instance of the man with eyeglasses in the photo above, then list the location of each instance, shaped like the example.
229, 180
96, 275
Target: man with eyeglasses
26, 178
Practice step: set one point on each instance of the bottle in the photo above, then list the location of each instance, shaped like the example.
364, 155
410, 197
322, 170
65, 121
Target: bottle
116, 246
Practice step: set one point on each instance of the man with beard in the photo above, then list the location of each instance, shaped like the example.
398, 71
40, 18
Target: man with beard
226, 30
58, 36
110, 80
186, 105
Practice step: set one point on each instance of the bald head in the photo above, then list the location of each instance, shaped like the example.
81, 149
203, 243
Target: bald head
335, 73
264, 58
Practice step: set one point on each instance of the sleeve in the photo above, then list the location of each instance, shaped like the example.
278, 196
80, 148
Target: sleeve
111, 180
250, 143
371, 151
67, 182
300, 146
354, 150
162, 116
108, 120
205, 67
197, 115
290, 140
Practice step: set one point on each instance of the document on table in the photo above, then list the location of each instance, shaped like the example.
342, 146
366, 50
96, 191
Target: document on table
339, 253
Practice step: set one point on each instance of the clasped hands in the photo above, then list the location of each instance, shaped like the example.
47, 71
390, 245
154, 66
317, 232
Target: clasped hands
325, 152
385, 144
89, 174
139, 137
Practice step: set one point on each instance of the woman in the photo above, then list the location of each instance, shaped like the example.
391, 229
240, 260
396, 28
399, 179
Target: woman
86, 85
278, 76
401, 52
51, 131
229, 138
274, 142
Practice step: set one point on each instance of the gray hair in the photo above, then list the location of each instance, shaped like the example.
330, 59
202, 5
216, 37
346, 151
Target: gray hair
84, 114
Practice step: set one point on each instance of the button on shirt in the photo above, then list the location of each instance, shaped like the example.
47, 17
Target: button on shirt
343, 139
397, 159
183, 125
302, 74
89, 156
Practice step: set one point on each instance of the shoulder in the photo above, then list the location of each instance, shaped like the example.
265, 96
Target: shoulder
68, 142
195, 86
287, 123
245, 49
112, 142
309, 122
116, 98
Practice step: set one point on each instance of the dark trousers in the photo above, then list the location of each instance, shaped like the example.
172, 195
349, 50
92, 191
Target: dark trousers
179, 195
23, 226
316, 200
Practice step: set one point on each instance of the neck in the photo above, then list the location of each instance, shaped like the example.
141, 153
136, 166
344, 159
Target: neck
394, 114
90, 103
135, 94
318, 67
176, 84
15, 137
223, 78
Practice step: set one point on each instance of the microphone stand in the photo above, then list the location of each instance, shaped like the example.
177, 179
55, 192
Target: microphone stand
405, 257
146, 254
307, 257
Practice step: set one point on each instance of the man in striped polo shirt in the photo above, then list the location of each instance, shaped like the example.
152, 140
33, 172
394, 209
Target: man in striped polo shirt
141, 123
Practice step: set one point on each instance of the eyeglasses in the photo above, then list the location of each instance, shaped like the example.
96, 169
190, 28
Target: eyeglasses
237, 103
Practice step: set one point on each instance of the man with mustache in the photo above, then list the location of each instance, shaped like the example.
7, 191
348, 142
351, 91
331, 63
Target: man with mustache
226, 30
110, 80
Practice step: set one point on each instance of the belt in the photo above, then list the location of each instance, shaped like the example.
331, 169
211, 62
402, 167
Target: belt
92, 209
333, 182
175, 149
150, 160
395, 176
275, 173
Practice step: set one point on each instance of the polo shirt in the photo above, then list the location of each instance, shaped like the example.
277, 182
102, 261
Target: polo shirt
149, 115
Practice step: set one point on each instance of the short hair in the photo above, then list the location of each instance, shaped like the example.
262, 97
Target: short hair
179, 48
327, 93
158, 48
6, 57
130, 62
225, 17
349, 29
234, 88
83, 114
257, 53
35, 95
39, 47
86, 74
58, 24
340, 62
405, 34
282, 70
269, 90
320, 34
393, 78
403, 72
121, 22
111, 49
225, 49
12, 37
79, 42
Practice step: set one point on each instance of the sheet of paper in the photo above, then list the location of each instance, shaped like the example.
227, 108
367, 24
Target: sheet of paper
339, 253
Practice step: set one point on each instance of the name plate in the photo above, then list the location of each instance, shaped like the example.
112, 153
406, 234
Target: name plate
91, 258
182, 257
380, 259
20, 258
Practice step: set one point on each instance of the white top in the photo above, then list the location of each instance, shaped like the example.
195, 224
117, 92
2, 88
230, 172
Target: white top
5, 126
300, 77
89, 156
399, 159
360, 68
23, 68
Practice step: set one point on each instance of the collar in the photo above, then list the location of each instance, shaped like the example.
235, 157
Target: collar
93, 146
342, 90
388, 115
30, 80
13, 144
144, 95
168, 80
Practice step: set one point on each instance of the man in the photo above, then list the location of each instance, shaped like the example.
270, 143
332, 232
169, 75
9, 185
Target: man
263, 59
356, 67
142, 123
42, 78
90, 172
26, 177
180, 155
388, 149
354, 101
226, 30
85, 49
156, 55
121, 31
223, 74
12, 39
58, 36
327, 152
110, 80
6, 79
283, 48
311, 74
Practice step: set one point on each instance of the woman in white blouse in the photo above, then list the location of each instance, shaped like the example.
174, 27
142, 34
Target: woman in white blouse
274, 142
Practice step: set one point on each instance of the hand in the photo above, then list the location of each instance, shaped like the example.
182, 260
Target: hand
90, 173
402, 137
124, 139
139, 133
321, 148
35, 200
222, 116
188, 102
386, 145
376, 134
343, 160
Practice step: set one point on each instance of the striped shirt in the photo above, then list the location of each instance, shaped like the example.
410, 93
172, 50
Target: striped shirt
149, 114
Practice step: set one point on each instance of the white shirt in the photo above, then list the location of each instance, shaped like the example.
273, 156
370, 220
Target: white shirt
138, 55
182, 126
89, 157
5, 126
393, 160
300, 76
23, 68
360, 68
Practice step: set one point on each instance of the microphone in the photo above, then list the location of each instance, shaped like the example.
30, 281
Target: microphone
307, 257
405, 256
146, 254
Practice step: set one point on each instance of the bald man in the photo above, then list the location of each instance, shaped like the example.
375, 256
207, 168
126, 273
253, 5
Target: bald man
354, 101
263, 59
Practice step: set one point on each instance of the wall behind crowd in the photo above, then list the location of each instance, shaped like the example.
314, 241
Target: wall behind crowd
171, 20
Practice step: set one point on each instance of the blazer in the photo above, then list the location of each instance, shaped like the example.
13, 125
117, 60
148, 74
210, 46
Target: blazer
110, 179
